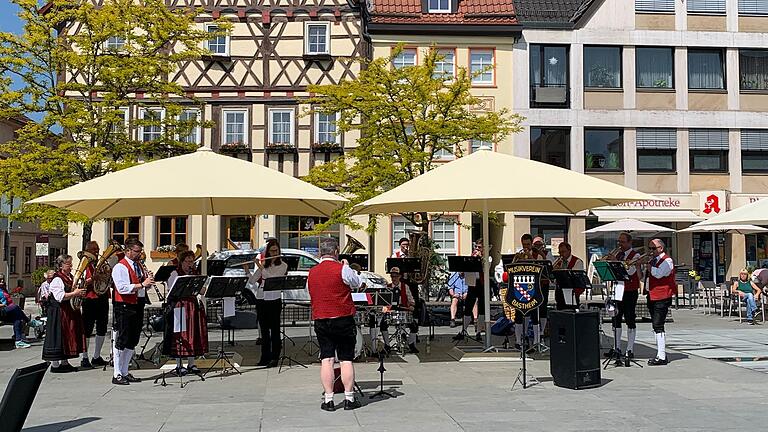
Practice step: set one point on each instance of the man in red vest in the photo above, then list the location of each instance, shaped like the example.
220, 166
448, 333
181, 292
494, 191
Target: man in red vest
567, 261
130, 284
661, 287
95, 313
330, 286
625, 308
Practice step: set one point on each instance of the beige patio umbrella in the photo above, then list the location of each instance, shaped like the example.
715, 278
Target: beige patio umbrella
199, 183
488, 181
755, 213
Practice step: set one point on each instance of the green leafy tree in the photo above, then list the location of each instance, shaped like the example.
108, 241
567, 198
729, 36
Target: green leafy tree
75, 68
406, 117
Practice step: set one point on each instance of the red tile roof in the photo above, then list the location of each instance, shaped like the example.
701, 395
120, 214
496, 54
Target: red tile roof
491, 12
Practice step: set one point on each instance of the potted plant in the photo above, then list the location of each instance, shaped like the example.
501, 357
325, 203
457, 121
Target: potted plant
600, 76
660, 83
163, 252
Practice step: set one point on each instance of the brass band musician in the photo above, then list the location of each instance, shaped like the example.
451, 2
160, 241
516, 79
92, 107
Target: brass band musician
64, 337
566, 261
625, 308
95, 313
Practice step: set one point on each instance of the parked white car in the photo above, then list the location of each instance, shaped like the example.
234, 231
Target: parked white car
305, 262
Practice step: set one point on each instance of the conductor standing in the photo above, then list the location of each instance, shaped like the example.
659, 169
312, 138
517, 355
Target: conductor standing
330, 290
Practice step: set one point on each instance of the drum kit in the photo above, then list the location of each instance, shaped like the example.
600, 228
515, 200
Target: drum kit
397, 320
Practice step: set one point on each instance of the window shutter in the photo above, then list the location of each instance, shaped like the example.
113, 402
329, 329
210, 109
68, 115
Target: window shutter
753, 7
424, 6
655, 5
454, 6
708, 139
706, 6
656, 138
754, 139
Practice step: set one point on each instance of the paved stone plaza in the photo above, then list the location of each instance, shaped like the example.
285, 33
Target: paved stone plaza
693, 393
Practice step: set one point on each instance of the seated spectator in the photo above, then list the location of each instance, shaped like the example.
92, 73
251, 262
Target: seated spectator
457, 288
44, 291
748, 291
12, 313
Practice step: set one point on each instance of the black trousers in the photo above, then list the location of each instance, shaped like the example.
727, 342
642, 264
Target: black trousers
268, 313
626, 309
474, 294
96, 313
127, 323
659, 310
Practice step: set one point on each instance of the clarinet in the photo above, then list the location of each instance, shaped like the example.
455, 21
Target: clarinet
153, 286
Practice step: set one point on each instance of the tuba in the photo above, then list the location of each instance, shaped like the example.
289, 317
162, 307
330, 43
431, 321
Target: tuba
352, 246
78, 281
423, 253
198, 252
102, 278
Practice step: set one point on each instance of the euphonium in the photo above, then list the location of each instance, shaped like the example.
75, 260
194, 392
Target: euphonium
352, 246
78, 281
102, 277
424, 254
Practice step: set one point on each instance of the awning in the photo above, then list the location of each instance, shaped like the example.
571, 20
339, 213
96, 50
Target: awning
647, 215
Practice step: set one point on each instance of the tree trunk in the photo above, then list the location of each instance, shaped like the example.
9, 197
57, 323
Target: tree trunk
87, 232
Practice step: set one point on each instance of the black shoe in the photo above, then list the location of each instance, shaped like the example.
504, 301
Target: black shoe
132, 378
411, 349
272, 364
478, 335
387, 349
628, 356
67, 368
518, 347
98, 362
56, 369
85, 364
194, 370
610, 353
453, 324
350, 405
657, 362
263, 362
328, 406
120, 380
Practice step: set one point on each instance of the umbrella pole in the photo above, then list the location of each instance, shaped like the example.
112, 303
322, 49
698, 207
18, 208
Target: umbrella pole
714, 258
204, 241
486, 277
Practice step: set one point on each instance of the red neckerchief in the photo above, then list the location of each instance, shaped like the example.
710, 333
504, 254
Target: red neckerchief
67, 279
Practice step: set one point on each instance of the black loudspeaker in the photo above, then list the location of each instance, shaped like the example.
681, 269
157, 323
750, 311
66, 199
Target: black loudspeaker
574, 348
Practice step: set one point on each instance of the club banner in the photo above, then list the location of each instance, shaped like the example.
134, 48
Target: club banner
524, 291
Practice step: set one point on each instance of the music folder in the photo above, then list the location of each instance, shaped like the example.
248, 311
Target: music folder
164, 272
465, 264
186, 286
406, 265
285, 283
225, 286
609, 271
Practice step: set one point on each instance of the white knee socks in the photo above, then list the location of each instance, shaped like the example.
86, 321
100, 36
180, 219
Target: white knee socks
661, 341
412, 338
617, 338
385, 336
117, 359
480, 323
466, 322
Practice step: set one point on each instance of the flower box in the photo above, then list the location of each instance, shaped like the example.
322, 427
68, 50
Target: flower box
161, 255
326, 147
234, 148
281, 148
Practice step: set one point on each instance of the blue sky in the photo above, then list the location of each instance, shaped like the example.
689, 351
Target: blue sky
8, 19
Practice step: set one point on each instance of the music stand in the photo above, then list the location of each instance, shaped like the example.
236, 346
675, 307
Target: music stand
220, 287
571, 280
406, 265
164, 272
20, 394
285, 283
613, 271
215, 267
359, 259
184, 287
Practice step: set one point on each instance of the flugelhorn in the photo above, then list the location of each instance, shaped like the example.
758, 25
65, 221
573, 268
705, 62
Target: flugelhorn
78, 281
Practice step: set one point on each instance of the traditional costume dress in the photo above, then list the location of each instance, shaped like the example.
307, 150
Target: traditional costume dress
191, 339
64, 338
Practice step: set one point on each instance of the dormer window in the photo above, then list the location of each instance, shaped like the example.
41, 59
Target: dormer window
439, 6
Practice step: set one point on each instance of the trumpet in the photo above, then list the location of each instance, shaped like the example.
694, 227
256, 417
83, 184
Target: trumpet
639, 260
610, 256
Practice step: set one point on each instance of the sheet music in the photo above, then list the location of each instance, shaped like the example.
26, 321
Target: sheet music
229, 306
360, 297
179, 319
618, 291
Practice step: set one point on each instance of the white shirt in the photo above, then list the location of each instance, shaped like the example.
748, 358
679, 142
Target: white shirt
45, 289
398, 253
349, 276
665, 268
268, 272
123, 280
56, 288
578, 265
